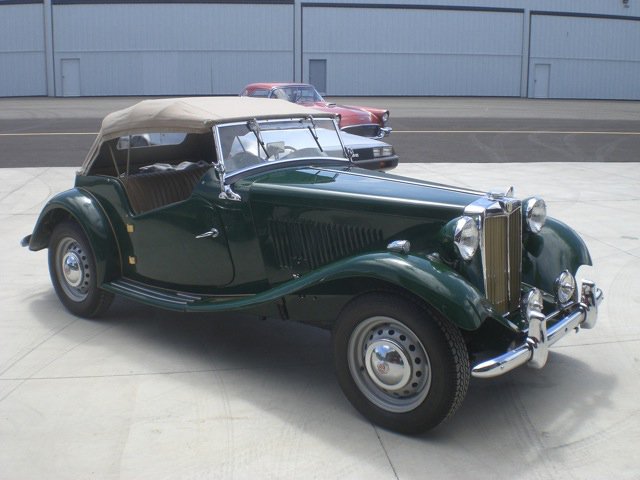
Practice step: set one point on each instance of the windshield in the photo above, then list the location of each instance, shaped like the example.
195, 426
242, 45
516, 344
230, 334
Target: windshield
298, 94
252, 143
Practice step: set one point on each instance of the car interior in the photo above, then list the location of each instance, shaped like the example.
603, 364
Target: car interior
155, 169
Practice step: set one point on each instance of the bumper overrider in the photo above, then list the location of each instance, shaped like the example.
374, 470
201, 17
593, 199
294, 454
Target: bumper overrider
535, 349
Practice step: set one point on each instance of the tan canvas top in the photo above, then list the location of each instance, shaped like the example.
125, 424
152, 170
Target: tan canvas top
195, 114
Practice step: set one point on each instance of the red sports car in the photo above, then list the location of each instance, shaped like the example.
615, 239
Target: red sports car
364, 121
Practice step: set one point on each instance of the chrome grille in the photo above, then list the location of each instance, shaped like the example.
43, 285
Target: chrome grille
502, 250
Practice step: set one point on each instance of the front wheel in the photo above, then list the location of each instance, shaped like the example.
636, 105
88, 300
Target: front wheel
402, 368
72, 268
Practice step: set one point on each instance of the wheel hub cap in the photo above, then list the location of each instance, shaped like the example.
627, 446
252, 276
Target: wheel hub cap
72, 269
388, 365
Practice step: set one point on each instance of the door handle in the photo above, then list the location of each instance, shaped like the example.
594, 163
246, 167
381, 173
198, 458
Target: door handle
213, 233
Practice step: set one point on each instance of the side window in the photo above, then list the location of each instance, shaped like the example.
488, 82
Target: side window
142, 152
150, 140
260, 92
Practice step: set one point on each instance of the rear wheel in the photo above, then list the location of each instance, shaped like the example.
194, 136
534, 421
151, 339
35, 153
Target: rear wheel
401, 367
72, 268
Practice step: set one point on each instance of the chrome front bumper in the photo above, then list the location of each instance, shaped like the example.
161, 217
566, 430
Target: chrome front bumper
535, 349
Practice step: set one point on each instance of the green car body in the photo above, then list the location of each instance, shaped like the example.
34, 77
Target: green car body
305, 238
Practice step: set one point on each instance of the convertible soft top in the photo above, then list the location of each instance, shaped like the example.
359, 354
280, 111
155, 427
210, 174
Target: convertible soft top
196, 114
193, 115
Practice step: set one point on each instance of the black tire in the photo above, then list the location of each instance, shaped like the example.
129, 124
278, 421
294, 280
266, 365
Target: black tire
72, 268
424, 374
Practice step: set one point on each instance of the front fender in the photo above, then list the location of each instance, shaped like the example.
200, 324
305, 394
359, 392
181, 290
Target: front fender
81, 206
434, 282
556, 248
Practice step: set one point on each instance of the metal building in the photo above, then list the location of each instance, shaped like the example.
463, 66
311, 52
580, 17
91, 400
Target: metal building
518, 48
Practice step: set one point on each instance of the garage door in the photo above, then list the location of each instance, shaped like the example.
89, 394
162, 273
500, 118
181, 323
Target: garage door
173, 48
584, 57
414, 50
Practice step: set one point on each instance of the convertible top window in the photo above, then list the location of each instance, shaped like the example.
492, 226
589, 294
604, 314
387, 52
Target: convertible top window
115, 158
150, 140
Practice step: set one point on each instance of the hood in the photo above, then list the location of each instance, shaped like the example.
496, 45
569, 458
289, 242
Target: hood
348, 115
364, 189
307, 217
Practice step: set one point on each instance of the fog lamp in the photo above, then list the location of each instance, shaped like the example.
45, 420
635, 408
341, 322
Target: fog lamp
565, 287
531, 302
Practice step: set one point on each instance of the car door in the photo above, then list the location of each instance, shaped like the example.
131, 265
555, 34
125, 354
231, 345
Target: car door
181, 246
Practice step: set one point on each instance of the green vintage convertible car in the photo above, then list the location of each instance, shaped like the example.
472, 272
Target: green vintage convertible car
243, 204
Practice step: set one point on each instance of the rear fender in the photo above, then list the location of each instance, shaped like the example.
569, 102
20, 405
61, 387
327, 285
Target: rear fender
81, 207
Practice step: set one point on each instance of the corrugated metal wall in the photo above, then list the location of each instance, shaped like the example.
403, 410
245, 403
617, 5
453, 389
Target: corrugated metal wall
22, 57
572, 49
422, 51
582, 57
170, 49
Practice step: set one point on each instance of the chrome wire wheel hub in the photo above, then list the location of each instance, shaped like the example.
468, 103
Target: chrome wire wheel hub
389, 364
73, 270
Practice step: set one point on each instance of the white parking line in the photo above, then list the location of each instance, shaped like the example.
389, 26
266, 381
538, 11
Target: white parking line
44, 134
543, 132
529, 132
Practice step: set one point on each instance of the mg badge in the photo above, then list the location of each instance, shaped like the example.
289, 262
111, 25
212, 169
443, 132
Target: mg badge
383, 368
507, 206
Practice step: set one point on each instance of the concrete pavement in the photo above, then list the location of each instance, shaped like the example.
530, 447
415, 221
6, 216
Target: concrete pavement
145, 393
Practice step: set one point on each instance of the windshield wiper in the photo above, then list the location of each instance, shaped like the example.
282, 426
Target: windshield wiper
255, 128
312, 130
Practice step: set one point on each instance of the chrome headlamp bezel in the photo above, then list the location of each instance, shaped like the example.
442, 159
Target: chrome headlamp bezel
466, 237
535, 213
385, 118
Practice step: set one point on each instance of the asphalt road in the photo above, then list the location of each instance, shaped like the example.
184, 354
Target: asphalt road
58, 132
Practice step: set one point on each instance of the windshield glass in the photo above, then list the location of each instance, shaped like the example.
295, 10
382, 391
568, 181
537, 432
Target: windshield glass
298, 94
252, 143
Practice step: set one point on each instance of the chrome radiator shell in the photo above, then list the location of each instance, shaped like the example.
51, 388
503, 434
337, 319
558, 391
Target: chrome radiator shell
499, 220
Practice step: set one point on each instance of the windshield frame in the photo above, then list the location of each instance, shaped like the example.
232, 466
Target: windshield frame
227, 178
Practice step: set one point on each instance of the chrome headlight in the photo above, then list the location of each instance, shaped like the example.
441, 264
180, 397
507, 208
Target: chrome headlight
385, 118
565, 287
535, 211
466, 237
382, 151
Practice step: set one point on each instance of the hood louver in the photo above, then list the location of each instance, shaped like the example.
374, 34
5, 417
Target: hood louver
308, 245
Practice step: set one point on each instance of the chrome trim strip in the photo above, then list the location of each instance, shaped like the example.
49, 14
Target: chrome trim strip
535, 348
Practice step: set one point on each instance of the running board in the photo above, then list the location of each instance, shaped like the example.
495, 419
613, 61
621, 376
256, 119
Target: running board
151, 296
